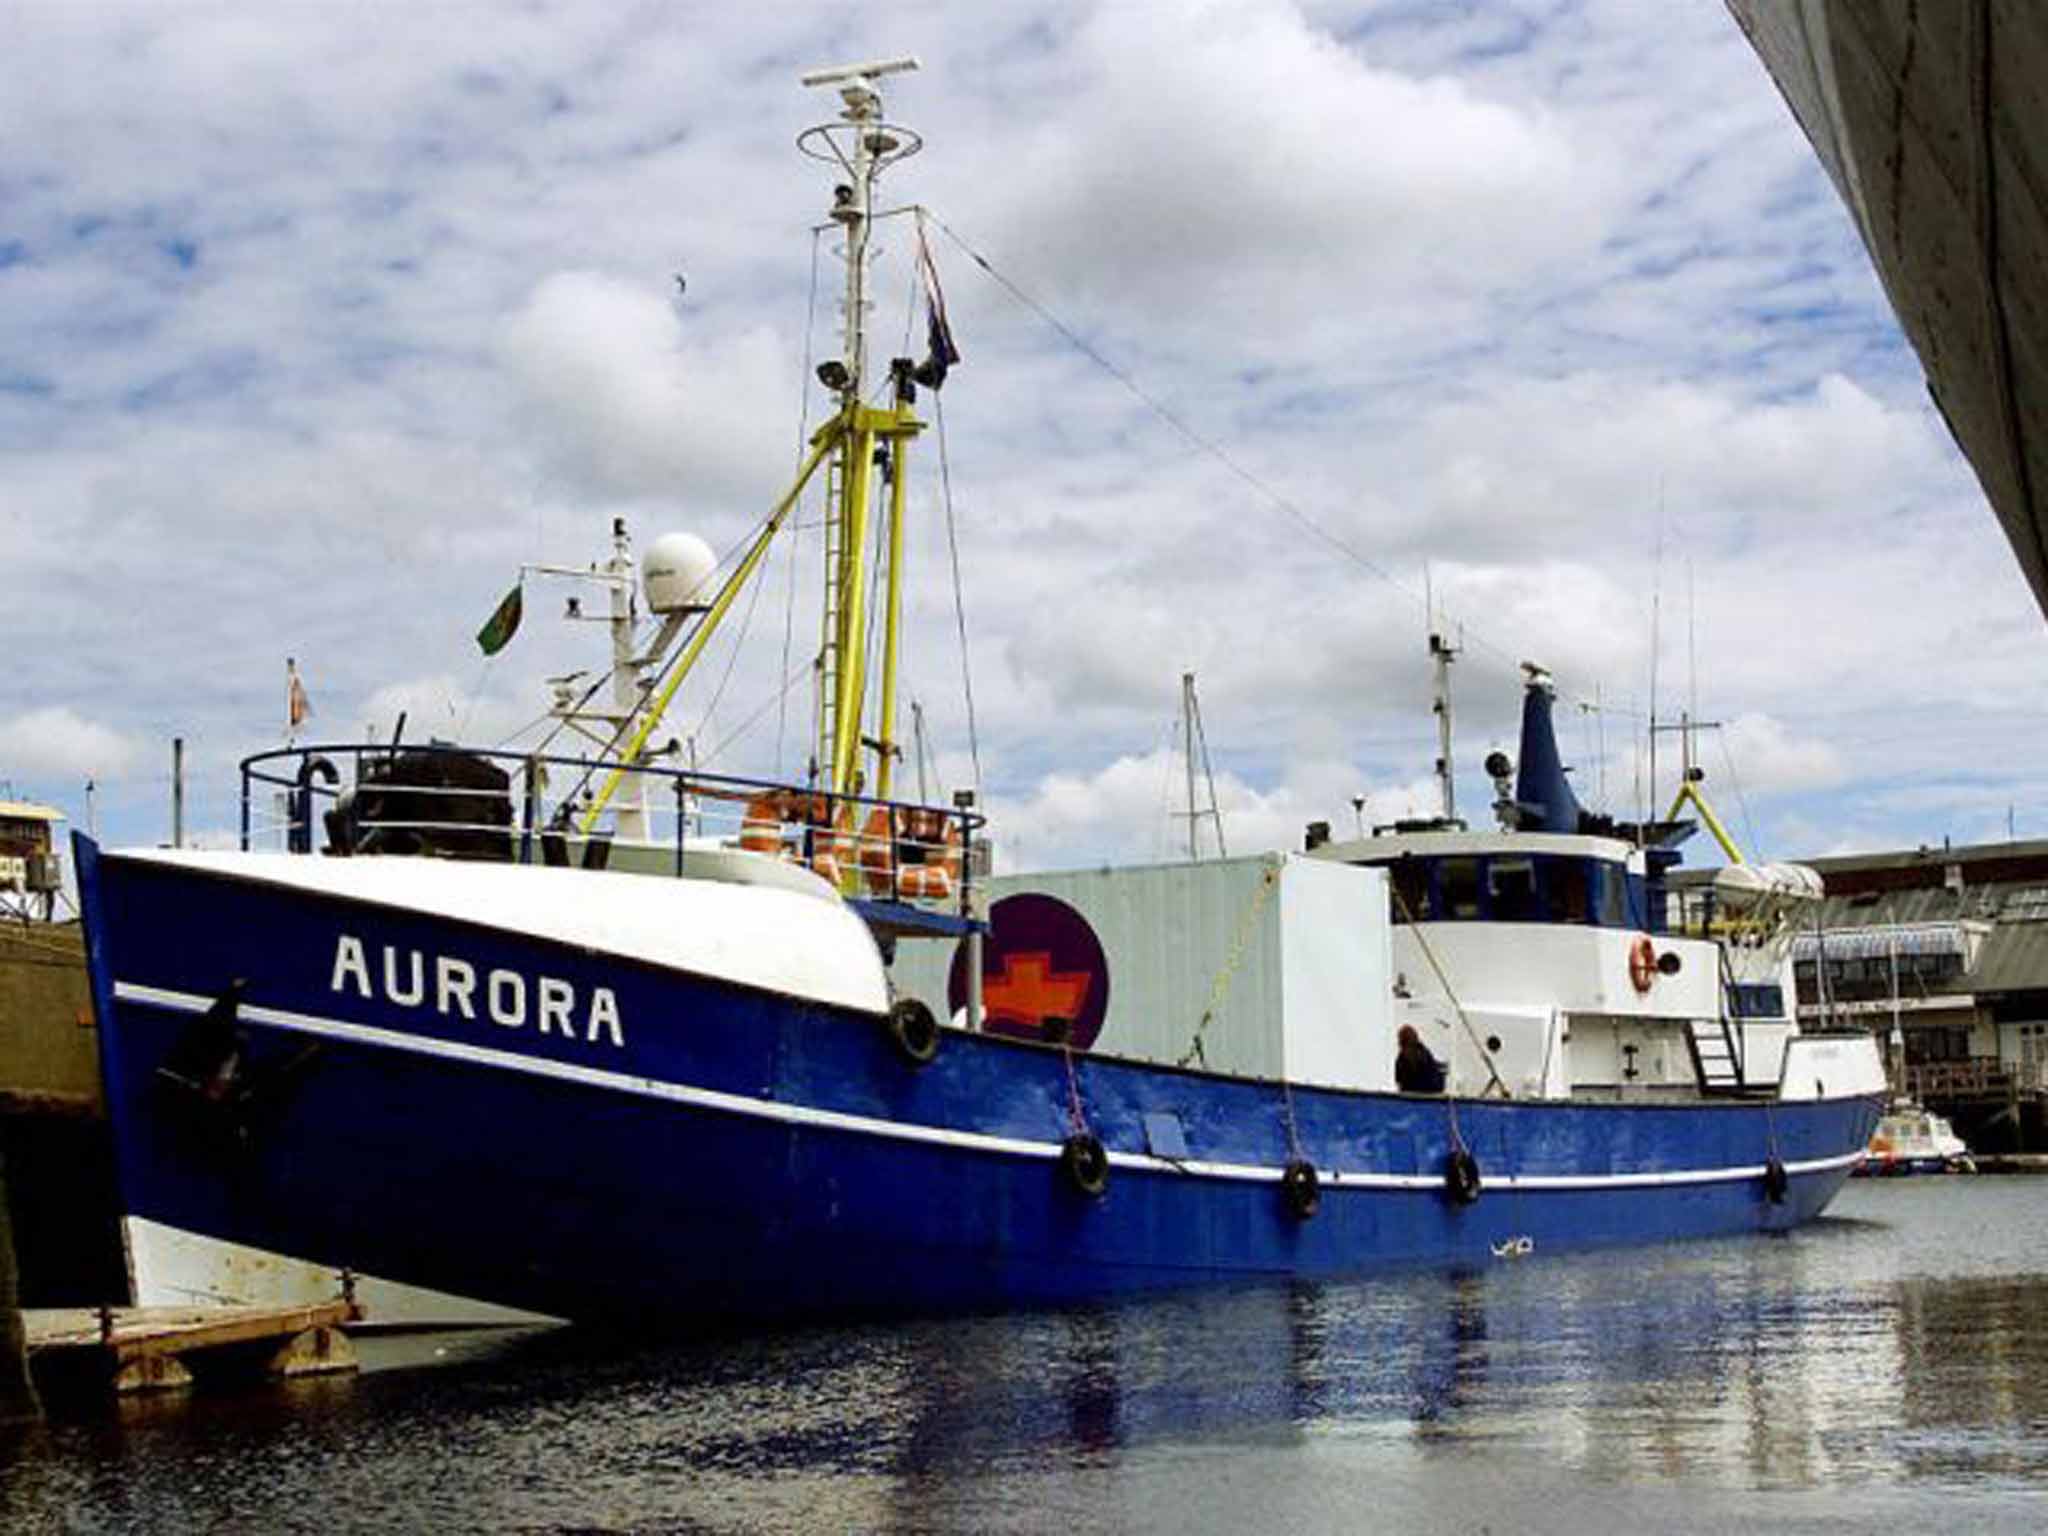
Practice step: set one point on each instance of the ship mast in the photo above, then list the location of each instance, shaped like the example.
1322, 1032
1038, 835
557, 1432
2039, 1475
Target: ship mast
855, 445
871, 440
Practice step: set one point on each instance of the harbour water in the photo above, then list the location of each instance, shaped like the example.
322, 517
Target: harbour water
1888, 1364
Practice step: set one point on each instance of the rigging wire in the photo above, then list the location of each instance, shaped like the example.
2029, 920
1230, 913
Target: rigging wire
1197, 440
1209, 773
538, 720
959, 590
1163, 822
475, 693
1741, 800
733, 655
739, 732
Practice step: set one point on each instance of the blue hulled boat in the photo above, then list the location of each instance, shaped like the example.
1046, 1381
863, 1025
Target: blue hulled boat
502, 1035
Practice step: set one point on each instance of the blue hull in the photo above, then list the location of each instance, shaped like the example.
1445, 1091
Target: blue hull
733, 1155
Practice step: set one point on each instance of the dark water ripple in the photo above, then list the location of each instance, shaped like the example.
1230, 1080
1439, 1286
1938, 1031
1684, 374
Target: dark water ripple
1889, 1364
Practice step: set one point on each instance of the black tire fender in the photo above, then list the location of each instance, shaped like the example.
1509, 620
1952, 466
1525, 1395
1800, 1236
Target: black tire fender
1776, 1181
913, 1031
1085, 1163
1461, 1177
1301, 1189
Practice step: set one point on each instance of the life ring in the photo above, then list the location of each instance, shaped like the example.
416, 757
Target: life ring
1300, 1188
1776, 1181
1642, 963
935, 872
1085, 1164
832, 838
761, 825
1461, 1177
877, 857
913, 1031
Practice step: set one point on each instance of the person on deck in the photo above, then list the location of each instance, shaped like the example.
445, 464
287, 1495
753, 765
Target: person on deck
1415, 1069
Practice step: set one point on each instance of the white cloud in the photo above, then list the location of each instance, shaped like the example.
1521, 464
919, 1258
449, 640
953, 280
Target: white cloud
1522, 293
1229, 152
58, 743
1773, 759
1135, 809
627, 410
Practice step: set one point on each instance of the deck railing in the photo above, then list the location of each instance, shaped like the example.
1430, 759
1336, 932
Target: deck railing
1979, 1077
442, 801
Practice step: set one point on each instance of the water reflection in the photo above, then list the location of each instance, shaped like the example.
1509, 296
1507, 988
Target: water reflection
1905, 1348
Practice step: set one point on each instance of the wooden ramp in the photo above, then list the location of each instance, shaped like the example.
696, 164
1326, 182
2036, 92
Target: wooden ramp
149, 1349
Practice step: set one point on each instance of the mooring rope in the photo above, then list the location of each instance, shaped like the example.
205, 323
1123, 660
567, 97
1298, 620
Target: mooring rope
1293, 1130
1077, 1119
1408, 917
1220, 987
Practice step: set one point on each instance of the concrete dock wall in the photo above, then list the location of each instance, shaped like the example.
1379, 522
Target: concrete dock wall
49, 1050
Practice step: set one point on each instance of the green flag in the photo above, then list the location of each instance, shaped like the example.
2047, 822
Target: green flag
502, 624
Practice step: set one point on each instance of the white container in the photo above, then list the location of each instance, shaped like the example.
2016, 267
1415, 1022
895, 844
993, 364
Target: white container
1288, 958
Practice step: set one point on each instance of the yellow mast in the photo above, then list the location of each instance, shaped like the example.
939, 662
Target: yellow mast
849, 676
895, 426
885, 770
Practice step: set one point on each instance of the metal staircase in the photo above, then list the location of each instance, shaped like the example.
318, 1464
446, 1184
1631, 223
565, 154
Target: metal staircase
1715, 1050
1716, 1060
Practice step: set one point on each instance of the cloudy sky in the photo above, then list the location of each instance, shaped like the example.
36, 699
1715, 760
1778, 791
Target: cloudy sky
317, 320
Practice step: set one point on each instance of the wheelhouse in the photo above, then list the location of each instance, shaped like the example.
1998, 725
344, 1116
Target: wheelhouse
1567, 881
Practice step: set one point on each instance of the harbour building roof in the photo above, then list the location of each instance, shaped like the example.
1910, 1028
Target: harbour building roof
1986, 902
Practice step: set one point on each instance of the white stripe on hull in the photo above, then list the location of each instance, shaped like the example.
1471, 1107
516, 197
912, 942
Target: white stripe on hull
867, 1125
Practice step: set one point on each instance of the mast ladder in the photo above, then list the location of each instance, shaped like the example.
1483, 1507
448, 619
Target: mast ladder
828, 646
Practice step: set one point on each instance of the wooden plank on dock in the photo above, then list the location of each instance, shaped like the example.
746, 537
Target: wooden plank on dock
134, 1349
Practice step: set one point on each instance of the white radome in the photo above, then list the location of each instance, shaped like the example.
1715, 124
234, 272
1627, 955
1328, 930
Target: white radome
677, 572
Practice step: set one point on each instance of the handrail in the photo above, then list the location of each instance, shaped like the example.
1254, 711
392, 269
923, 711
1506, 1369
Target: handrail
872, 849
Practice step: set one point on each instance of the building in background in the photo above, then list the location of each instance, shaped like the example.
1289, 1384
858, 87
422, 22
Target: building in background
54, 1136
1943, 954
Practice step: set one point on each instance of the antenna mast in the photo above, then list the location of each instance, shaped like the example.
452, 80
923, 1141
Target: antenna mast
1196, 739
858, 442
1442, 653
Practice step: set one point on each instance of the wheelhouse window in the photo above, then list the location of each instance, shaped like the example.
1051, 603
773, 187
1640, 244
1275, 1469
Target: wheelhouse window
1457, 885
1511, 888
1566, 886
1612, 899
1514, 888
1410, 880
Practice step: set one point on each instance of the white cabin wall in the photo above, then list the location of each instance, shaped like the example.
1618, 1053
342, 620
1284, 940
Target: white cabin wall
1763, 1049
1577, 969
1831, 1067
1530, 1058
1336, 974
1599, 1055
